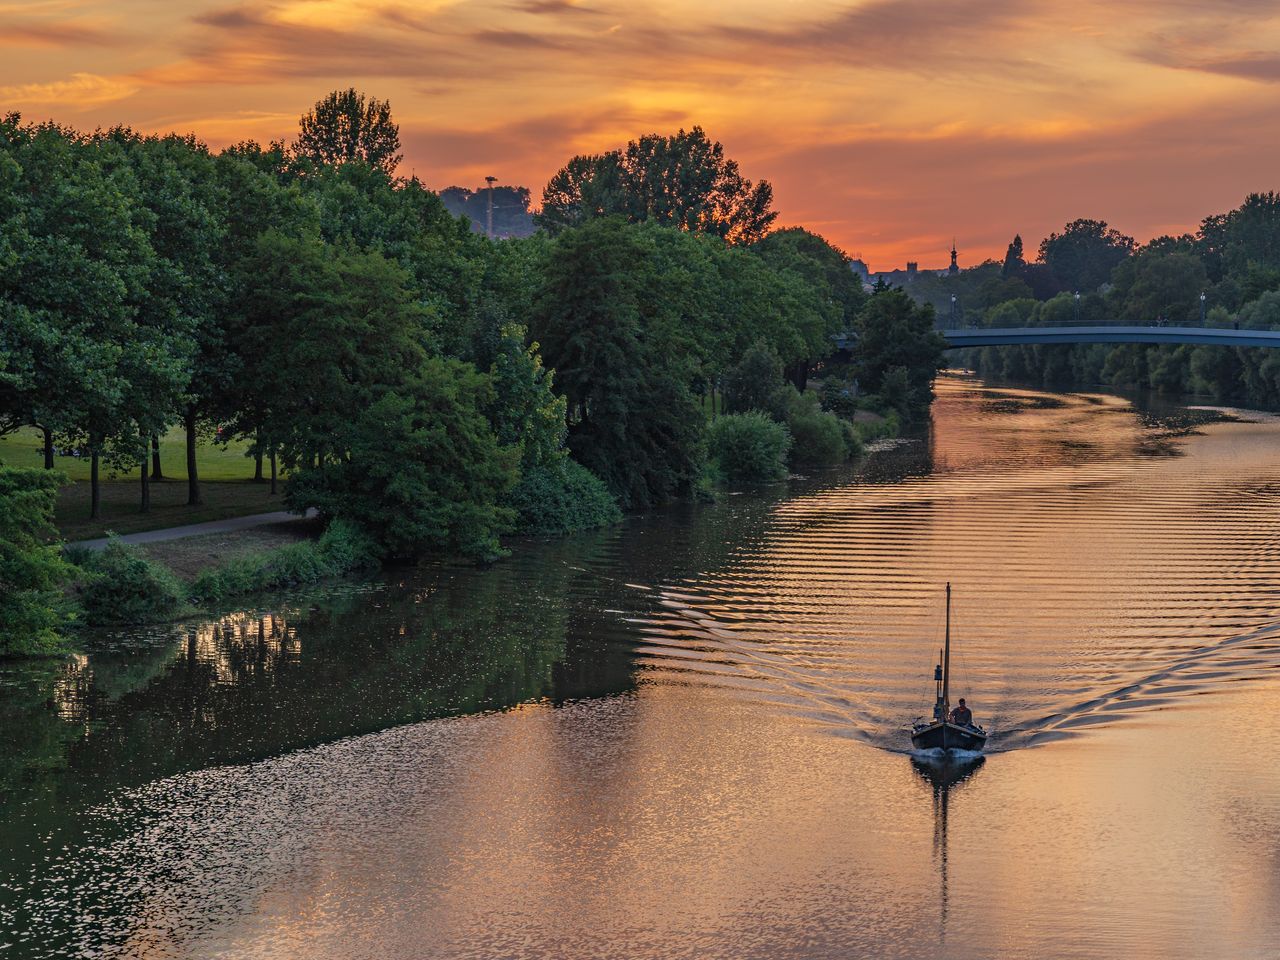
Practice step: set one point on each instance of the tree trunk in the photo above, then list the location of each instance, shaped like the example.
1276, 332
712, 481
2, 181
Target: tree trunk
95, 488
146, 479
48, 448
257, 459
156, 472
273, 471
193, 475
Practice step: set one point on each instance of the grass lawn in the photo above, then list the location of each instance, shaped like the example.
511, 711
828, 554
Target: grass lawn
25, 448
225, 484
168, 506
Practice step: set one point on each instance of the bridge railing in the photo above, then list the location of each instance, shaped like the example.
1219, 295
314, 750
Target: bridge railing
945, 323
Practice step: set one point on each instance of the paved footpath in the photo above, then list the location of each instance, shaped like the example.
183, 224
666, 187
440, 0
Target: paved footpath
229, 525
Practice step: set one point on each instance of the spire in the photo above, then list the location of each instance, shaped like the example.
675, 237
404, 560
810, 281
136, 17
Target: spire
955, 267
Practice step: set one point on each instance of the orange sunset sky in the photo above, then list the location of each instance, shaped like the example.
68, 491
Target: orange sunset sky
887, 126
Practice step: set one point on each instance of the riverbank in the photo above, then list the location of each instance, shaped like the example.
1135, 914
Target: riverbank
162, 575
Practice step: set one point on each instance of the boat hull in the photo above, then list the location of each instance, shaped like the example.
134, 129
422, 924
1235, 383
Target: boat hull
947, 736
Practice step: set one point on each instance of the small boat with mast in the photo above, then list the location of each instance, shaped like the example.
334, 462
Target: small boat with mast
940, 733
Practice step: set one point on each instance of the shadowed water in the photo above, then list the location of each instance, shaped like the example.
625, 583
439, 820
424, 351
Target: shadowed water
687, 737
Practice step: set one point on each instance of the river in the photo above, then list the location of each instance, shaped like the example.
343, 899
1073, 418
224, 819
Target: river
686, 737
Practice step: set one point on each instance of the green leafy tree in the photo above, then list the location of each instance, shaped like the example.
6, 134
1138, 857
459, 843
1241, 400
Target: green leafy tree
827, 295
70, 292
1155, 284
633, 420
347, 126
755, 383
419, 469
329, 331
1230, 243
31, 573
894, 332
180, 355
683, 180
1083, 255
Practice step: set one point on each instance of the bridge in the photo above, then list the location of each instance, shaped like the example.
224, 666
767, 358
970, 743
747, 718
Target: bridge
958, 337
1004, 336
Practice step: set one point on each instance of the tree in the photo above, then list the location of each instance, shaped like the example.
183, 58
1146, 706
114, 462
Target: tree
586, 187
894, 332
755, 383
329, 330
70, 292
632, 418
683, 180
1014, 263
347, 126
1159, 283
183, 307
31, 573
420, 468
832, 293
1084, 254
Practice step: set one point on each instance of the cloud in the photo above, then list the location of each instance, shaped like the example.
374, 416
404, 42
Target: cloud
58, 35
81, 90
553, 7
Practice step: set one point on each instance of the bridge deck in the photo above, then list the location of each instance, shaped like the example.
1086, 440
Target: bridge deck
1004, 336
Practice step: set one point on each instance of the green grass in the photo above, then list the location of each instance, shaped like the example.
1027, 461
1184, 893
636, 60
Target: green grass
225, 483
25, 448
168, 506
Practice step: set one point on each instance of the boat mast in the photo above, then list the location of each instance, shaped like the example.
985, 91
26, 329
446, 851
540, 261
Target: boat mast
946, 662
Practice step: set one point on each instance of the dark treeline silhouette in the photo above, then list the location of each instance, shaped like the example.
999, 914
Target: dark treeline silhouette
511, 216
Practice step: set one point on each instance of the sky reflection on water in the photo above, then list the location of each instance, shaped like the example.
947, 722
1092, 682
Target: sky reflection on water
687, 738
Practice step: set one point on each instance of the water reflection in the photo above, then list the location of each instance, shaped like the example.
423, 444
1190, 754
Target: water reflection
683, 737
944, 773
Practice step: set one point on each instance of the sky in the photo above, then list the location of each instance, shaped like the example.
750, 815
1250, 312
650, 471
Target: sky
888, 126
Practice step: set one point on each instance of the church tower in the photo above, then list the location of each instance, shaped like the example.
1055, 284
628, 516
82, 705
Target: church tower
955, 267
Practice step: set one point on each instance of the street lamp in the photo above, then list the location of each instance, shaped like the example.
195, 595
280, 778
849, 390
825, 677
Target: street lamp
1202, 308
953, 311
1077, 306
490, 181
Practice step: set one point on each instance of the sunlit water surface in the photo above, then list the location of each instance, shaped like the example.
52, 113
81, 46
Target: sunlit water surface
687, 737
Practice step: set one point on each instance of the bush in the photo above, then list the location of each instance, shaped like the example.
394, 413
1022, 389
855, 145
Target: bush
749, 447
121, 586
818, 438
31, 606
560, 498
340, 549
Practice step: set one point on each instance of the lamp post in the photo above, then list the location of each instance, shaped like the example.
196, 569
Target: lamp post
1077, 320
953, 311
1202, 308
489, 231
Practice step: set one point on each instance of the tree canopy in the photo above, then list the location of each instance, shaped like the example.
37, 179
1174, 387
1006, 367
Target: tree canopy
347, 126
683, 180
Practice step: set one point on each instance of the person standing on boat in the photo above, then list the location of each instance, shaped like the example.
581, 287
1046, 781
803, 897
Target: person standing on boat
962, 715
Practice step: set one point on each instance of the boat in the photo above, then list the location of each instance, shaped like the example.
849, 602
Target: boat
938, 732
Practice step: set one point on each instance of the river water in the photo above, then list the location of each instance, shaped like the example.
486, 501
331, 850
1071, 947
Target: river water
686, 737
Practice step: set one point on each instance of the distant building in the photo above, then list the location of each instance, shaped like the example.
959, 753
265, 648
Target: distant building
902, 277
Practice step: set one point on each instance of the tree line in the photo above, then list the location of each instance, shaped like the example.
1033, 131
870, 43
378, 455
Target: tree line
1226, 272
397, 369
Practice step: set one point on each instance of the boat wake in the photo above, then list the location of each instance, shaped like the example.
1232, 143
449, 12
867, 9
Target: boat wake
829, 681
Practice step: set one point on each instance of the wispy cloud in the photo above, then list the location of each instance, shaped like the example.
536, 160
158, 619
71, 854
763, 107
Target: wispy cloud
80, 90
